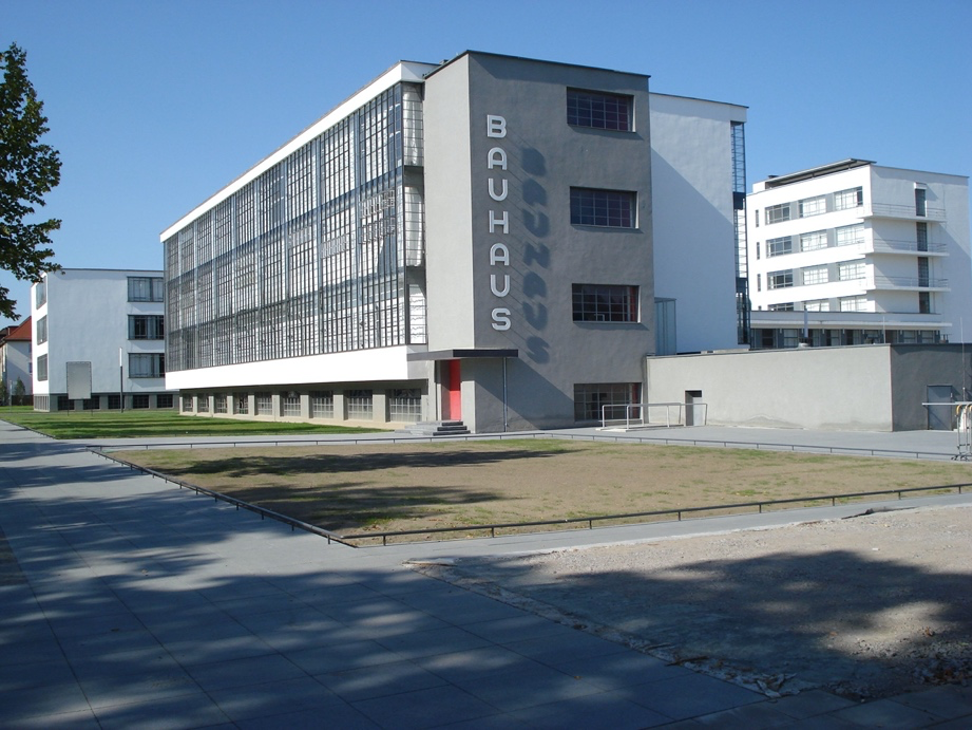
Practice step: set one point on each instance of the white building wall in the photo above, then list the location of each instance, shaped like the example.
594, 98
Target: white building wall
87, 321
692, 212
887, 248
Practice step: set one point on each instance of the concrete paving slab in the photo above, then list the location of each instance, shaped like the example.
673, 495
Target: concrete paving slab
151, 606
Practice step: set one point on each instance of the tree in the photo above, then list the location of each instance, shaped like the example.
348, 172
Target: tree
19, 393
28, 171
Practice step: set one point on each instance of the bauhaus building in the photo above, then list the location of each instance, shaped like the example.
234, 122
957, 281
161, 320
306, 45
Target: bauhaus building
493, 240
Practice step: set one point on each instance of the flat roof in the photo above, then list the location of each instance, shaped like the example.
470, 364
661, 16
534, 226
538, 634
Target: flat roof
776, 181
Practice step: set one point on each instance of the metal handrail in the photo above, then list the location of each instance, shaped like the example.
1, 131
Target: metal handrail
656, 513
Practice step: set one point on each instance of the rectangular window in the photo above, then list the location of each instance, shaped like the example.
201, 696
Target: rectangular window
850, 235
360, 405
782, 307
40, 293
817, 305
241, 404
322, 404
146, 327
596, 110
777, 213
779, 246
219, 404
42, 367
851, 270
921, 235
405, 405
264, 404
41, 330
140, 400
924, 302
114, 402
853, 304
779, 279
594, 401
606, 208
605, 303
164, 400
202, 404
146, 289
813, 241
815, 275
146, 365
290, 405
921, 197
813, 206
187, 404
847, 199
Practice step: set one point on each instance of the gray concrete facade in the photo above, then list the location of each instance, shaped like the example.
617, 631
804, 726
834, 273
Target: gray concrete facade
864, 388
503, 255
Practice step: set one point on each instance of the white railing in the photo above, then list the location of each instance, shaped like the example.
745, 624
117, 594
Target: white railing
653, 415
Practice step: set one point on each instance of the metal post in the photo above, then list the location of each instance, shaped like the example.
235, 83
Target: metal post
121, 380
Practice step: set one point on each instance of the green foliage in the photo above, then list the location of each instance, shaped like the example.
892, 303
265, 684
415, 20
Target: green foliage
28, 171
19, 393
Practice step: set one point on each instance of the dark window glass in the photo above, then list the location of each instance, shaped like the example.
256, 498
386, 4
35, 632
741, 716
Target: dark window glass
610, 208
597, 110
605, 303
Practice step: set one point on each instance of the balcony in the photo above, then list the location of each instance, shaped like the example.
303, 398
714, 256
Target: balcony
908, 248
907, 283
904, 212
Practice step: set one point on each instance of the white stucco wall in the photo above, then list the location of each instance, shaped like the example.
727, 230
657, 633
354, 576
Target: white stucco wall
845, 388
87, 320
691, 168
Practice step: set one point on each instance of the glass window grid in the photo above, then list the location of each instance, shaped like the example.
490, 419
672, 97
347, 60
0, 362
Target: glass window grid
141, 401
187, 404
114, 402
813, 206
854, 304
817, 305
598, 110
359, 404
777, 213
849, 235
146, 365
307, 234
815, 275
241, 404
604, 303
219, 404
40, 330
813, 241
847, 199
290, 405
42, 367
40, 293
146, 327
264, 404
202, 403
781, 307
851, 270
779, 246
404, 405
146, 289
322, 404
603, 208
164, 400
779, 279
589, 398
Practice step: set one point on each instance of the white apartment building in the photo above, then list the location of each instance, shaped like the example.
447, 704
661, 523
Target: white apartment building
15, 357
856, 253
485, 240
99, 340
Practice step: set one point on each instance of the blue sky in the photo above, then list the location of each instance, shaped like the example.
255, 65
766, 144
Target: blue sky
155, 105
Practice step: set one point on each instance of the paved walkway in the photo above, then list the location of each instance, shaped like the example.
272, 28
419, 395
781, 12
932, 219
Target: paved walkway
126, 602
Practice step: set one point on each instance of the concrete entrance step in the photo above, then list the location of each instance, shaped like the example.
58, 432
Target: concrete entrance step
437, 428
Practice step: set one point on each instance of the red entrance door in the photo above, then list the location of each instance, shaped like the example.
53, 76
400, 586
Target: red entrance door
452, 403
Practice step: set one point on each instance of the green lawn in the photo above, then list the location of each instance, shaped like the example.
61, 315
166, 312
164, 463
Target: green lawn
115, 424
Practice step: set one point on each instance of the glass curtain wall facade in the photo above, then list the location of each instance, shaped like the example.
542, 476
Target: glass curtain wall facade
322, 253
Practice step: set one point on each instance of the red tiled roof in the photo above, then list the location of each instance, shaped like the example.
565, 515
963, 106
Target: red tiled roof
19, 332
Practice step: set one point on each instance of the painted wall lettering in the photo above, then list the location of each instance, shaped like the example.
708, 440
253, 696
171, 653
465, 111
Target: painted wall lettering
499, 224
